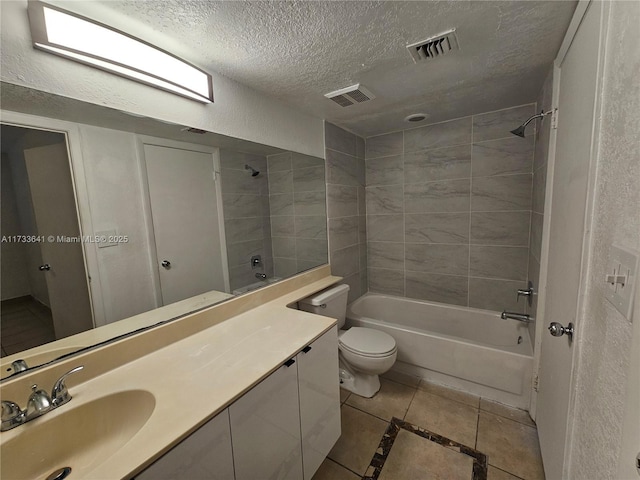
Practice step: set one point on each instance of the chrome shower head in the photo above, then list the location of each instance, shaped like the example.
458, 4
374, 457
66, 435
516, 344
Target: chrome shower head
520, 130
254, 172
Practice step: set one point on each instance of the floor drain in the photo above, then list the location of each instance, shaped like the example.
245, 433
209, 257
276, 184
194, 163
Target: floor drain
60, 474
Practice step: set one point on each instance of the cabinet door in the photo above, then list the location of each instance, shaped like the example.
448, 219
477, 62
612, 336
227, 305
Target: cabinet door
319, 400
266, 428
205, 454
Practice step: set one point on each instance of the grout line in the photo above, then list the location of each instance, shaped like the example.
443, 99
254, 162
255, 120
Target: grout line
475, 445
368, 413
345, 467
505, 471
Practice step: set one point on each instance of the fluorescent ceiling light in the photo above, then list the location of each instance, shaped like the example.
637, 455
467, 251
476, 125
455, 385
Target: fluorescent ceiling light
81, 39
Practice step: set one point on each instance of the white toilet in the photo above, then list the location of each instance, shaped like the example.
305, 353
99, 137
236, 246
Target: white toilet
364, 353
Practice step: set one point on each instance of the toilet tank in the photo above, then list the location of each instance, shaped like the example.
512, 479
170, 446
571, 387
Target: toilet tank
331, 302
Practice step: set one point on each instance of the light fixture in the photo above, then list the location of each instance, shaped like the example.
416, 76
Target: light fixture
72, 36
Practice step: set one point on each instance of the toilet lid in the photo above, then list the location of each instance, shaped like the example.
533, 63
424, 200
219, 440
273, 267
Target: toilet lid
367, 341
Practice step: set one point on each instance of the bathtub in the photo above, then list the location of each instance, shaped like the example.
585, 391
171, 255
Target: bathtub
466, 348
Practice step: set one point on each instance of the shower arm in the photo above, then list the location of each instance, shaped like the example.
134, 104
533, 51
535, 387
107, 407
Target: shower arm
542, 114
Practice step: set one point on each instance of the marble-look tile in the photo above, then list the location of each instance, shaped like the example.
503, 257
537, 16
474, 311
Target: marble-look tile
507, 156
311, 227
283, 226
309, 179
453, 420
436, 227
496, 295
354, 286
281, 204
237, 160
310, 203
330, 470
343, 169
384, 199
360, 147
239, 253
279, 162
445, 196
303, 264
241, 275
362, 200
343, 232
392, 400
437, 258
384, 145
385, 171
493, 125
312, 249
243, 229
300, 160
238, 205
344, 394
283, 267
445, 134
515, 414
500, 228
361, 434
450, 393
385, 228
385, 255
346, 261
539, 186
403, 378
382, 280
281, 182
499, 193
364, 280
450, 289
439, 164
510, 446
494, 473
342, 201
339, 139
239, 181
536, 234
362, 229
283, 247
499, 262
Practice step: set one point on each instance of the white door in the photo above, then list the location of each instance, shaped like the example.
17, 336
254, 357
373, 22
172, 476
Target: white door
567, 233
186, 222
54, 206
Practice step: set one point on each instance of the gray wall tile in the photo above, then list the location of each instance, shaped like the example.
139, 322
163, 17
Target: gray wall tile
343, 232
339, 139
385, 255
538, 191
446, 134
238, 205
343, 169
437, 228
240, 253
439, 164
300, 160
362, 229
302, 264
386, 281
243, 229
383, 145
489, 126
284, 267
346, 261
311, 249
445, 196
281, 204
362, 201
309, 179
355, 290
311, 227
500, 228
536, 235
502, 157
279, 162
284, 247
384, 199
282, 226
437, 258
499, 262
508, 192
342, 201
385, 228
309, 203
385, 171
281, 182
495, 295
237, 160
437, 288
360, 147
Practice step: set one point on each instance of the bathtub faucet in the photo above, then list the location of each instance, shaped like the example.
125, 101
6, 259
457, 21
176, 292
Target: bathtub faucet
521, 317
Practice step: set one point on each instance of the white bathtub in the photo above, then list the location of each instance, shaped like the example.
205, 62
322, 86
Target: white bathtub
471, 349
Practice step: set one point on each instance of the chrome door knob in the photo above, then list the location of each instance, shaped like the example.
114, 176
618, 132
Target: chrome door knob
557, 330
44, 267
165, 263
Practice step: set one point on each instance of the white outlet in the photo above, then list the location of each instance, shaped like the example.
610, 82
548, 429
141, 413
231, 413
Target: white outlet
620, 278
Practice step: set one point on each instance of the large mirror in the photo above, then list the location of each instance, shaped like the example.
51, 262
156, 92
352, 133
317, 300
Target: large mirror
113, 222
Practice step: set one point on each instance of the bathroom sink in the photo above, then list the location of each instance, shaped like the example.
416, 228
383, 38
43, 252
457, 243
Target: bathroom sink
80, 437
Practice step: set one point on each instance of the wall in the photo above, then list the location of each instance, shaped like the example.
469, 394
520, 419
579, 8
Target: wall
603, 362
346, 209
448, 210
238, 111
297, 198
245, 202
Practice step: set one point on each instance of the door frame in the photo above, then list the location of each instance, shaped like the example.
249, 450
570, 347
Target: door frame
141, 141
541, 320
81, 197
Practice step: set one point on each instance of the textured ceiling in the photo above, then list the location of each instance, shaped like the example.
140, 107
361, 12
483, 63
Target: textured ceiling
297, 51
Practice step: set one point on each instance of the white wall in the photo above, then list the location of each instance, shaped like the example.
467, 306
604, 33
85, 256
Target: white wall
603, 365
238, 111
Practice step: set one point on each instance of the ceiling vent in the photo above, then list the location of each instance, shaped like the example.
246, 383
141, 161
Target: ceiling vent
346, 97
434, 47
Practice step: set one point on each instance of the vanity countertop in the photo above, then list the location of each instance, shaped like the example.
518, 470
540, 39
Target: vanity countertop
197, 377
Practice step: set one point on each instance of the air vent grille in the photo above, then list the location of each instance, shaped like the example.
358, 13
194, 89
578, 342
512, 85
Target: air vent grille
346, 97
434, 47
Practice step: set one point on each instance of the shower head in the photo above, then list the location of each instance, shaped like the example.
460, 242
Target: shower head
520, 130
254, 172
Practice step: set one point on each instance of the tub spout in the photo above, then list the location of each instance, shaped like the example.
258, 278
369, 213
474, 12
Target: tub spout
521, 317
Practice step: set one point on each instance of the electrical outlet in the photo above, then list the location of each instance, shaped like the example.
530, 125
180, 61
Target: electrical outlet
620, 278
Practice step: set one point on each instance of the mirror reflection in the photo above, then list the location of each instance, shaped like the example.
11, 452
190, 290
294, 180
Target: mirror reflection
119, 215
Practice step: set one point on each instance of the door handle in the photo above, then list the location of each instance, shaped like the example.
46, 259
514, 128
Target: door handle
166, 263
557, 330
44, 267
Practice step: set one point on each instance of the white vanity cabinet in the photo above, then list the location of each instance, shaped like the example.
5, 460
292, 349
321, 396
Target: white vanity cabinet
205, 454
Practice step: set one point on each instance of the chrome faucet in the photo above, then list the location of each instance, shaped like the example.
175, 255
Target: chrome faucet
19, 366
521, 317
261, 276
38, 404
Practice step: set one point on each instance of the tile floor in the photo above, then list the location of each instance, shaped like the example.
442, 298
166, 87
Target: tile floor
24, 323
507, 436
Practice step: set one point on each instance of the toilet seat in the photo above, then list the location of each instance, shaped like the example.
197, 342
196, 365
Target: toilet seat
367, 342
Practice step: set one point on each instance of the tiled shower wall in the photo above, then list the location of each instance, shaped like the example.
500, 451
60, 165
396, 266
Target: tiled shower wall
346, 208
298, 212
449, 210
245, 202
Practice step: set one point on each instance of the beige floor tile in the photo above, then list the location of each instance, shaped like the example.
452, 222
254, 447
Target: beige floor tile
403, 378
450, 393
392, 400
344, 394
414, 457
496, 474
511, 413
330, 470
510, 446
361, 435
453, 420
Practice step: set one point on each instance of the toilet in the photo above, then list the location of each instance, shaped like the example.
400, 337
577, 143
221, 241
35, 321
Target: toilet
364, 353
